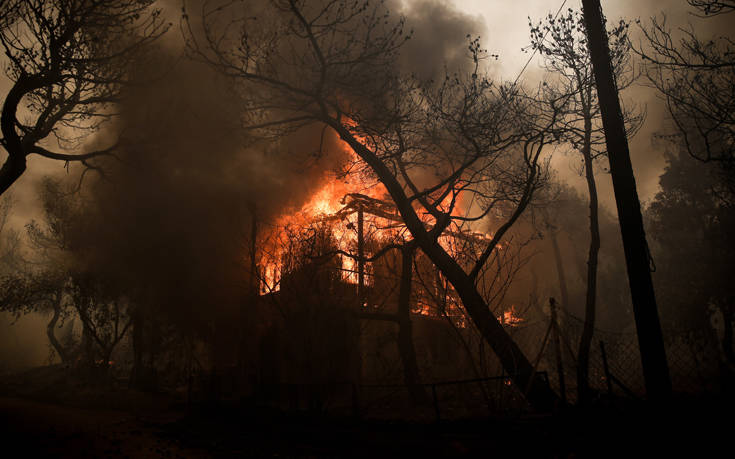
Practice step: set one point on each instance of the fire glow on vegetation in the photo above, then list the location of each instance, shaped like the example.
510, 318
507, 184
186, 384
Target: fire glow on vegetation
333, 207
336, 208
510, 317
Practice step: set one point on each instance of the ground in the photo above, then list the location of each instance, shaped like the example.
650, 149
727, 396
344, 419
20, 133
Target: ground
76, 421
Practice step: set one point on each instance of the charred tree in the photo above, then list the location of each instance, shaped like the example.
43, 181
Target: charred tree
557, 351
63, 353
585, 342
67, 62
561, 41
405, 328
464, 131
560, 270
650, 337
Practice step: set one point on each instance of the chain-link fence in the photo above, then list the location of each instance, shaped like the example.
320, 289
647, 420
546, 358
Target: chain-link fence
614, 370
693, 357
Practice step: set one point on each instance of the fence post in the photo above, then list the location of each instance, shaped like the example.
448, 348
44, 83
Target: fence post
355, 401
436, 402
189, 390
557, 349
608, 379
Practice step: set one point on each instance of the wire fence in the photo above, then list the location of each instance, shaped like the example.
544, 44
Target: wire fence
614, 370
693, 356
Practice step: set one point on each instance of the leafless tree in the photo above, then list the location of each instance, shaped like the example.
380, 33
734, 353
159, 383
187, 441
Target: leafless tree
67, 61
333, 62
695, 77
562, 41
713, 7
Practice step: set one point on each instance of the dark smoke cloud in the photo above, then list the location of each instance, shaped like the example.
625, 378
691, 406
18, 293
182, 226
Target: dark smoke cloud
173, 217
440, 38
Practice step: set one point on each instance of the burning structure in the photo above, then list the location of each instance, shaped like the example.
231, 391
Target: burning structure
344, 297
251, 261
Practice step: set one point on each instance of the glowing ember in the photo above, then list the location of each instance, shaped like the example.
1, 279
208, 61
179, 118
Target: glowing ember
509, 317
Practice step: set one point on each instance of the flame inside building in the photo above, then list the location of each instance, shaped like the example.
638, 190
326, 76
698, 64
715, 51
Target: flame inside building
351, 217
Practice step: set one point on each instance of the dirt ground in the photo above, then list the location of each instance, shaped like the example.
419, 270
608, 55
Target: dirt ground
40, 429
44, 429
63, 418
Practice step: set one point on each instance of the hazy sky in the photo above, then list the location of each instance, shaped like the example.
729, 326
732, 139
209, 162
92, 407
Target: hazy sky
506, 24
507, 33
507, 20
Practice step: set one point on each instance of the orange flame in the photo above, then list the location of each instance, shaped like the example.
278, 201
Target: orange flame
328, 205
510, 317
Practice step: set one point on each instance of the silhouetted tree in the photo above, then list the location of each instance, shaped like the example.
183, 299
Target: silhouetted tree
713, 7
334, 63
24, 288
696, 76
562, 41
66, 287
21, 294
692, 228
67, 61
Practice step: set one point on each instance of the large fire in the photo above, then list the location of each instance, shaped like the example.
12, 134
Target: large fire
351, 208
331, 206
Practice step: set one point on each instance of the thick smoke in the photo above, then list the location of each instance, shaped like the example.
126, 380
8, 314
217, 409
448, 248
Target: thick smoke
440, 38
173, 214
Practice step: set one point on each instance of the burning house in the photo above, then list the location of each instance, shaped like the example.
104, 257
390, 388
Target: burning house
338, 306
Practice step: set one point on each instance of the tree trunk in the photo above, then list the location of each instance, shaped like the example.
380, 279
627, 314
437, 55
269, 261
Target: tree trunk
361, 257
87, 338
727, 315
405, 328
137, 372
11, 171
585, 341
14, 145
519, 368
51, 330
15, 164
637, 258
249, 302
557, 350
515, 363
560, 272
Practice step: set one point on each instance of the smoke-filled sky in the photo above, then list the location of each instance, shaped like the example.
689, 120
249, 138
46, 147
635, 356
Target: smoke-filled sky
507, 33
440, 30
503, 26
188, 103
